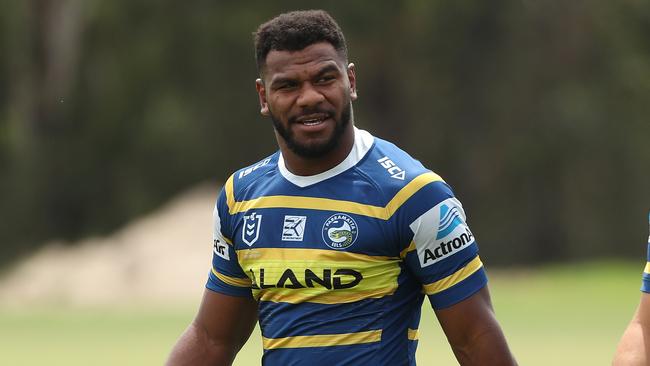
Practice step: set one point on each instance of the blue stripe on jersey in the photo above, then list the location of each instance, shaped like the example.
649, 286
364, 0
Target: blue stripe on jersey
645, 285
278, 320
217, 285
460, 291
360, 354
313, 235
427, 197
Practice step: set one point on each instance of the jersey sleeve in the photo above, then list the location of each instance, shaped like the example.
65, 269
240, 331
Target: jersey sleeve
226, 275
442, 253
645, 284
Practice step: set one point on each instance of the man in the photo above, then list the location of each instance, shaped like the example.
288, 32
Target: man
332, 241
633, 349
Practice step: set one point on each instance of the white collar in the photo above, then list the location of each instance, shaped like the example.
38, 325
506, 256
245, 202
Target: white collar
363, 140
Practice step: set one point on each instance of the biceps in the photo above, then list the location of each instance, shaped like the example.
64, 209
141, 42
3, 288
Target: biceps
469, 319
226, 319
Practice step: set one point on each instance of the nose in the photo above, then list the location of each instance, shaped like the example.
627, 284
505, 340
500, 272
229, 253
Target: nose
309, 96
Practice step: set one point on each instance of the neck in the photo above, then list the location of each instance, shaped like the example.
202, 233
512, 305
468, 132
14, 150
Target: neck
303, 166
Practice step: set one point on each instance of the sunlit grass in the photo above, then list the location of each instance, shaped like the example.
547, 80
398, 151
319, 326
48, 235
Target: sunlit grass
559, 315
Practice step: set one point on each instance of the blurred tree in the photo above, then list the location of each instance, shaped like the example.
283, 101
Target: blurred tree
535, 112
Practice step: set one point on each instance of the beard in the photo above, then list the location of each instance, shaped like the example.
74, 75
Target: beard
313, 150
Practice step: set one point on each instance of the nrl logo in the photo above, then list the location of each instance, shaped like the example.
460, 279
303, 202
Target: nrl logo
251, 228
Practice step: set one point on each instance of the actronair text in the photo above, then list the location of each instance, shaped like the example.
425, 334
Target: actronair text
449, 247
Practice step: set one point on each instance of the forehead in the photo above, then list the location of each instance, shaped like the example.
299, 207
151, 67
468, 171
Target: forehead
310, 59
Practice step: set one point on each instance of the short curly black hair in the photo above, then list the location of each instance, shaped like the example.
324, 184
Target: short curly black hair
295, 31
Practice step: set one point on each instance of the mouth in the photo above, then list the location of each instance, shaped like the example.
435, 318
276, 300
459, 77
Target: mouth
314, 119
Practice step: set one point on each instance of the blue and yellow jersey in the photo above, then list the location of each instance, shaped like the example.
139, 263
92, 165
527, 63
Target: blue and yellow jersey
340, 262
645, 285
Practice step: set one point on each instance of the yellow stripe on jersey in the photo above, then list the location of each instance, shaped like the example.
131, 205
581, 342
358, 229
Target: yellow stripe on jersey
447, 282
302, 254
228, 241
320, 297
232, 281
313, 203
410, 189
647, 268
404, 252
230, 192
294, 275
414, 334
322, 340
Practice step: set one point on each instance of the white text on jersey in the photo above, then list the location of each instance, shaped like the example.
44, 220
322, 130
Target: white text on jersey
392, 169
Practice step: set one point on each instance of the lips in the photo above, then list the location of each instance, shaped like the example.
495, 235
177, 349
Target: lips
312, 119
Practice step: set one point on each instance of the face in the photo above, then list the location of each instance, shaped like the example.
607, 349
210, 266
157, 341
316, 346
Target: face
308, 94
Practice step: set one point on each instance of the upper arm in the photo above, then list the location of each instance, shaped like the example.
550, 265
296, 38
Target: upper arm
228, 310
442, 253
220, 329
226, 275
227, 321
443, 256
474, 333
468, 318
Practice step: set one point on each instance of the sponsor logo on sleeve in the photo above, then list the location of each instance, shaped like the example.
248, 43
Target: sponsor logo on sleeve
441, 232
251, 228
293, 228
221, 249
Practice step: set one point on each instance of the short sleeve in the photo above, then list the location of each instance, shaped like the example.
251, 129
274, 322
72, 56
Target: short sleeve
645, 285
226, 275
443, 253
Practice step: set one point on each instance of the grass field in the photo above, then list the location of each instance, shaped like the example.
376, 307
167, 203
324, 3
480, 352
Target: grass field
558, 315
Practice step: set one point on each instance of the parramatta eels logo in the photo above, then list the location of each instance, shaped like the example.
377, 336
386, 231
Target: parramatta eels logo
340, 231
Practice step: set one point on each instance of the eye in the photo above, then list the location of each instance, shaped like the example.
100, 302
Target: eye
325, 79
286, 85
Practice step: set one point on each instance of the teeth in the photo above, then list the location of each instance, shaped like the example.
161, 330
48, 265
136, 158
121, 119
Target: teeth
312, 122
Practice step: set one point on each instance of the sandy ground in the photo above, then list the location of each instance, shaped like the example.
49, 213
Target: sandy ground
163, 257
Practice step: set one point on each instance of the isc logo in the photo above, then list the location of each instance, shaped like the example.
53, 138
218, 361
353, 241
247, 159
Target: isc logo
253, 168
392, 169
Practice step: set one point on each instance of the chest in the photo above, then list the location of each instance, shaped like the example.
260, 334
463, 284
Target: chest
325, 256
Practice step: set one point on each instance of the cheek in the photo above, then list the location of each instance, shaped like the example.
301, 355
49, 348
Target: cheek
280, 104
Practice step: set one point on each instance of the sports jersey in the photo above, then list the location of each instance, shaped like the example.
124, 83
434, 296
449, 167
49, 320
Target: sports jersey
645, 285
340, 261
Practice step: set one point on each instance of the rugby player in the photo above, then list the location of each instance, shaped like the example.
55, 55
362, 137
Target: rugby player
634, 348
333, 242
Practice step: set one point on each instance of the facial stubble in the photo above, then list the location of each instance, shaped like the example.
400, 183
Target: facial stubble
311, 151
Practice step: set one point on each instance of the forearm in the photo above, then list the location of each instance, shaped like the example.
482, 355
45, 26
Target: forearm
196, 348
634, 347
631, 349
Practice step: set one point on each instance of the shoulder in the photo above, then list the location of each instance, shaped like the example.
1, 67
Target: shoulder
247, 177
396, 173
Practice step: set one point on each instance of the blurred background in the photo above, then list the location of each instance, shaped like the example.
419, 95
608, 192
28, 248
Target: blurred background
119, 120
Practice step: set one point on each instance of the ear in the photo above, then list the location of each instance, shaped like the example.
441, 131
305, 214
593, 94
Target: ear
261, 94
352, 77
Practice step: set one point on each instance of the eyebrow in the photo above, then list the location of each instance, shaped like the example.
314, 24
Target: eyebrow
326, 69
321, 72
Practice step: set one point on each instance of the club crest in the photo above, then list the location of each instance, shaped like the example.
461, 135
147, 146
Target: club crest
340, 231
251, 228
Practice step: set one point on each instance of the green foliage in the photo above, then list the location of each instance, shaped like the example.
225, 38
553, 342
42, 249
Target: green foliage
534, 112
